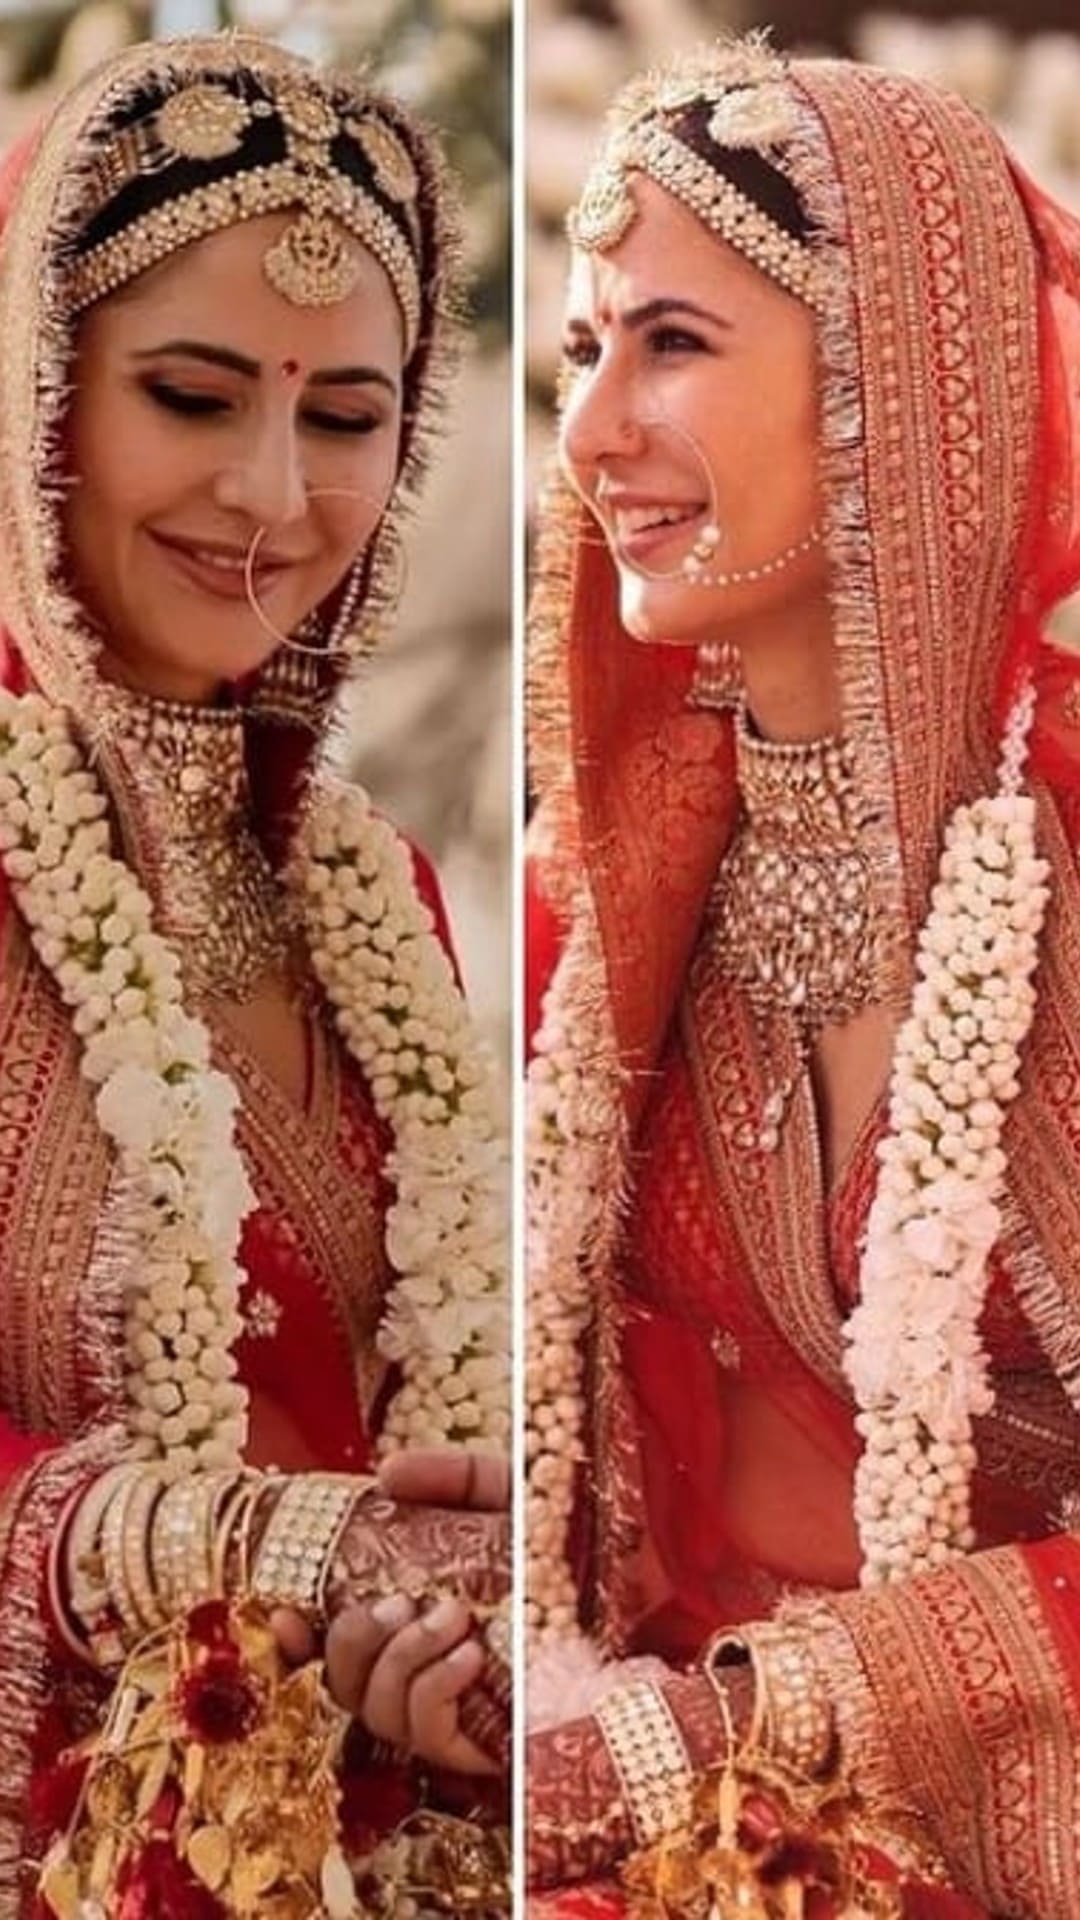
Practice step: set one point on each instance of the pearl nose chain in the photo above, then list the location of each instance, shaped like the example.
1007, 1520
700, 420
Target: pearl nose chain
695, 567
738, 576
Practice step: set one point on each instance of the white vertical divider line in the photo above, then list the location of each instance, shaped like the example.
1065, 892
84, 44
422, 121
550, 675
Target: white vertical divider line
519, 71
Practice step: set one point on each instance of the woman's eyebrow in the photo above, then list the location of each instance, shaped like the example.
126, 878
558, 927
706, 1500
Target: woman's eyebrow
353, 377
215, 356
202, 350
666, 304
659, 308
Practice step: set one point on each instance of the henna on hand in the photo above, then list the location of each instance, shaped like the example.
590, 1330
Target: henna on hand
578, 1822
484, 1711
390, 1548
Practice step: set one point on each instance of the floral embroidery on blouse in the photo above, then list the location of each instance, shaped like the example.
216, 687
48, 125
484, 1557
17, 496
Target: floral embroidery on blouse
262, 1316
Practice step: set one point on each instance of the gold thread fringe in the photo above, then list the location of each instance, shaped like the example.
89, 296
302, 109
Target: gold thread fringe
29, 1513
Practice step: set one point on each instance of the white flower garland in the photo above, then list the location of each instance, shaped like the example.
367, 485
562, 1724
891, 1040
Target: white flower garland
399, 1009
915, 1358
571, 1148
170, 1115
167, 1112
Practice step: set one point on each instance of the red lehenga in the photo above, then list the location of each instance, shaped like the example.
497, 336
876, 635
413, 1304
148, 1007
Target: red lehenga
721, 1431
313, 1250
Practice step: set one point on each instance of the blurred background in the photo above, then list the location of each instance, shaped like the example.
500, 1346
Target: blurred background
429, 729
1019, 60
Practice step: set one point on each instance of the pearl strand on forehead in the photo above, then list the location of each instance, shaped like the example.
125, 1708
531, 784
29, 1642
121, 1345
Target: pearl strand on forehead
693, 567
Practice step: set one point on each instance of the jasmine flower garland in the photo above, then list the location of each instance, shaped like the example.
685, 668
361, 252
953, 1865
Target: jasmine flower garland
170, 1115
915, 1357
401, 1014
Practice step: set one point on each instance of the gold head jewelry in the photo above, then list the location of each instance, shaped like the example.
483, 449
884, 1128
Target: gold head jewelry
272, 136
676, 126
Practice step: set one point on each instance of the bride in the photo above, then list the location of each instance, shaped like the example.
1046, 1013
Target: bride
251, 1231
803, 1407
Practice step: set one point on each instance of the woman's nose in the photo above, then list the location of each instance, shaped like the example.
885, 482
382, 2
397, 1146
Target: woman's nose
602, 420
265, 478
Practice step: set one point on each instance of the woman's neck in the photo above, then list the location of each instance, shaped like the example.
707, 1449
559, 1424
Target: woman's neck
154, 681
790, 673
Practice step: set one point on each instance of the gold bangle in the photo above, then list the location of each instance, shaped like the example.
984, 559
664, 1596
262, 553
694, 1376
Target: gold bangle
87, 1587
800, 1727
113, 1527
246, 1527
242, 1490
728, 1641
649, 1755
181, 1548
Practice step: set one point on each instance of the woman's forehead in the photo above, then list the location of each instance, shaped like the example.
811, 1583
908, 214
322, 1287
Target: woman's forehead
666, 254
218, 283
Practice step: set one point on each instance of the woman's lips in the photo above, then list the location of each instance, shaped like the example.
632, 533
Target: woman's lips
641, 532
219, 574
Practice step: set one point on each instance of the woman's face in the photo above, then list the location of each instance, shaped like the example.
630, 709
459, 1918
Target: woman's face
207, 408
692, 400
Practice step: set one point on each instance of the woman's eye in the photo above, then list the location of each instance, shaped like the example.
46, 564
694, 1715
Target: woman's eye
356, 423
580, 353
675, 340
182, 400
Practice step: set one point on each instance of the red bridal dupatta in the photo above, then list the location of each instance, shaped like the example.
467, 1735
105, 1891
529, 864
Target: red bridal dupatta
950, 385
313, 1249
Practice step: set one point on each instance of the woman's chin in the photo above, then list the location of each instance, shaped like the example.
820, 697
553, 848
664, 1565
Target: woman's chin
176, 672
666, 615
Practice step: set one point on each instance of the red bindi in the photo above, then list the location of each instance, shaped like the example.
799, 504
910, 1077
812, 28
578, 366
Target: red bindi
290, 369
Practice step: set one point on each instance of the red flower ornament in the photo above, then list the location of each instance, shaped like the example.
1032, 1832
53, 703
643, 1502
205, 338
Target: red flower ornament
220, 1700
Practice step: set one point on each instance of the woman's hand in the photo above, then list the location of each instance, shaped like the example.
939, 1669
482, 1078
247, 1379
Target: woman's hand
415, 1676
414, 1673
421, 1550
448, 1477
404, 1672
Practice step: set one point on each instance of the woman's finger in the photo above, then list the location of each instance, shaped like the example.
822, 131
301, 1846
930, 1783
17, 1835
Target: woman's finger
354, 1642
434, 1728
447, 1477
484, 1717
384, 1708
293, 1635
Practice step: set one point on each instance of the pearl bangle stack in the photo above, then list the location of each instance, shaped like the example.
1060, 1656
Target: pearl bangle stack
649, 1755
792, 1722
294, 1560
140, 1549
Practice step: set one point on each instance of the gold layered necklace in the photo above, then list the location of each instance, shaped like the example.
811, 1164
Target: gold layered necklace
792, 915
196, 845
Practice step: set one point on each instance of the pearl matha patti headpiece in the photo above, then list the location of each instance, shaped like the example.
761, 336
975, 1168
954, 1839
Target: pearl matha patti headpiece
676, 126
237, 143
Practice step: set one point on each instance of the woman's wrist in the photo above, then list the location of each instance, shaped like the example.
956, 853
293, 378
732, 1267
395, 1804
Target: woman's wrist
388, 1548
791, 1721
137, 1550
603, 1785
